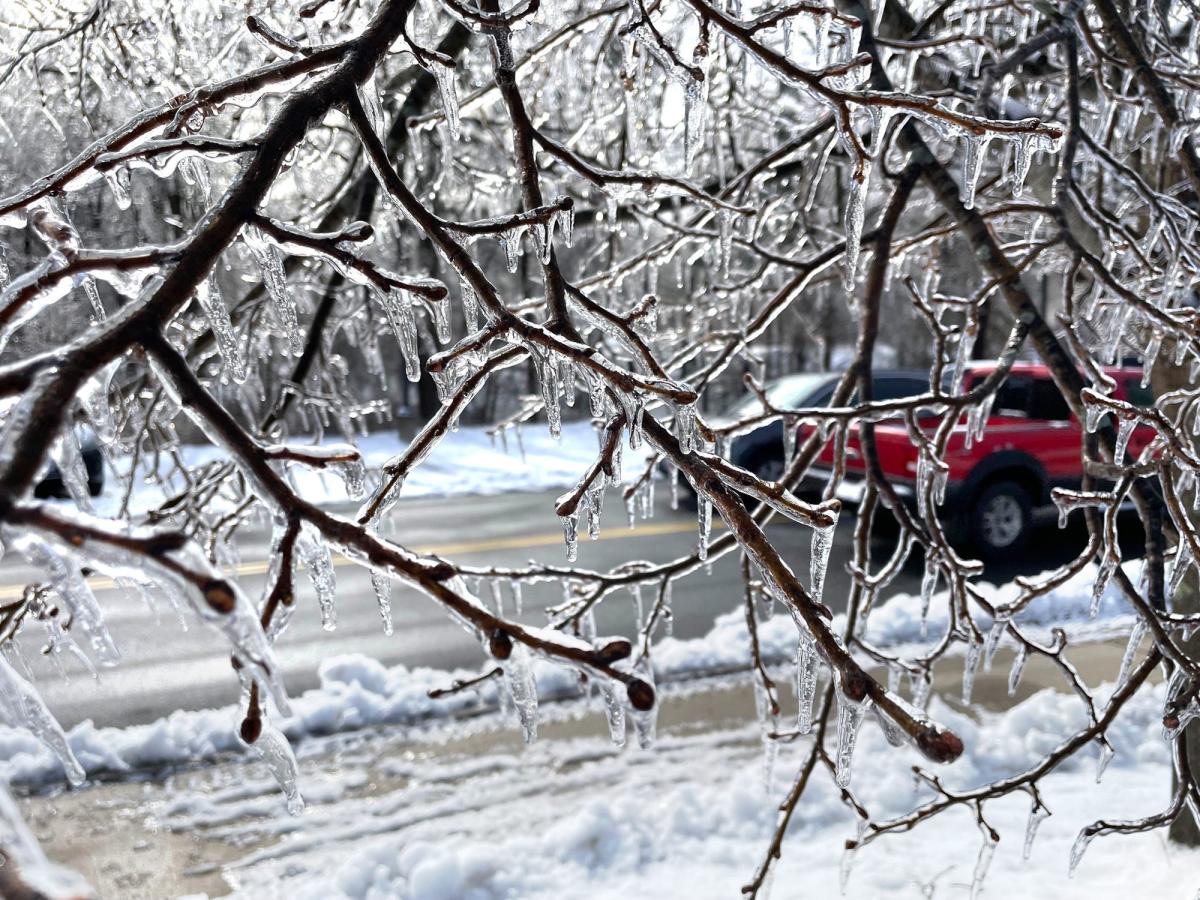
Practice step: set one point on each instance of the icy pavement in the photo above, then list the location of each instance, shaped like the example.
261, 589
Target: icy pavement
461, 811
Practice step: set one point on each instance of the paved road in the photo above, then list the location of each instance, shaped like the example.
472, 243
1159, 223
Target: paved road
166, 668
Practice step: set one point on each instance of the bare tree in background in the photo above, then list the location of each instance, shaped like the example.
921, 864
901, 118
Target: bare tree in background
628, 198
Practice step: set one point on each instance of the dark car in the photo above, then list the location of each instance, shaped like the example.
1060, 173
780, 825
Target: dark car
761, 450
51, 484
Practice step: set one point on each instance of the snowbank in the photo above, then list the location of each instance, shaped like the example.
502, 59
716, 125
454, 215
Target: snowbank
359, 692
466, 461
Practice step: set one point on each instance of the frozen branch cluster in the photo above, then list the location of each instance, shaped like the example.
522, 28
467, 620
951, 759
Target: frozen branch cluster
675, 178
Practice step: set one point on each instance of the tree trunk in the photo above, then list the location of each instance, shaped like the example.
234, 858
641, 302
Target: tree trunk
1166, 377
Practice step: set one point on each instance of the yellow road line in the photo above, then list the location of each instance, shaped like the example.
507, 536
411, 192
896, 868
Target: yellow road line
486, 545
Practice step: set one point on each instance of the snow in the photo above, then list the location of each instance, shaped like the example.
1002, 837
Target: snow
358, 692
579, 819
466, 461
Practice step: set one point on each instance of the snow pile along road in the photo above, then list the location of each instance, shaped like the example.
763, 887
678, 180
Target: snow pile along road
358, 692
466, 461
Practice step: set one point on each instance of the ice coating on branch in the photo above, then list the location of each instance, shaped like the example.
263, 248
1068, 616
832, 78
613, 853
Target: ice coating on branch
72, 589
283, 300
518, 678
172, 562
314, 553
381, 583
208, 295
23, 707
276, 751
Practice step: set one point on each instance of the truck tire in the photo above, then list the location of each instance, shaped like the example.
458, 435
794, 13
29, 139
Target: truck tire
1000, 519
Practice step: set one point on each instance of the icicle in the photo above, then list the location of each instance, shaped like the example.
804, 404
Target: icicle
928, 586
551, 395
275, 280
118, 182
275, 750
1108, 566
645, 722
704, 507
767, 723
693, 121
470, 304
93, 295
999, 626
1124, 431
1131, 648
81, 603
1037, 815
982, 863
213, 305
1183, 562
1078, 849
1018, 666
381, 582
806, 683
71, 468
818, 559
314, 553
614, 710
595, 505
398, 306
1103, 759
1095, 412
855, 216
518, 677
970, 667
850, 716
23, 707
844, 869
973, 155
570, 525
444, 74
518, 601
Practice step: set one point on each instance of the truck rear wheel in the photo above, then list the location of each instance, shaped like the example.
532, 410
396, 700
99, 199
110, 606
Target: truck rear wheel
1000, 519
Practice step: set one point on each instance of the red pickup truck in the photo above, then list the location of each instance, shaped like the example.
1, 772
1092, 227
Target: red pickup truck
1000, 483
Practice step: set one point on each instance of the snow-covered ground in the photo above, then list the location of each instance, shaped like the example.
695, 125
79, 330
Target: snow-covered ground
438, 800
466, 461
692, 818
